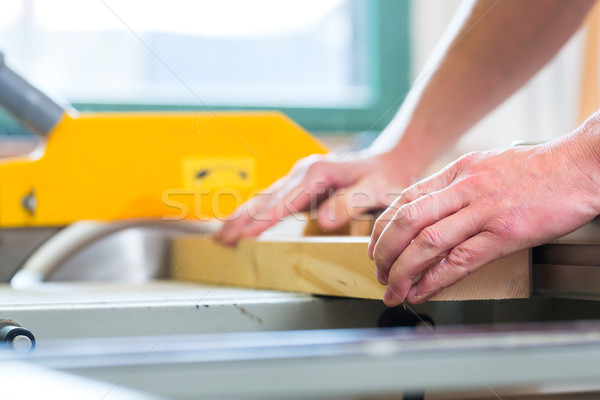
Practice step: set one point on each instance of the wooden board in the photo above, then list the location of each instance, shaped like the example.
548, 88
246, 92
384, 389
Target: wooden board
337, 266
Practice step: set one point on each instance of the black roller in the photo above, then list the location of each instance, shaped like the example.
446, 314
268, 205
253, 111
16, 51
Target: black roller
14, 336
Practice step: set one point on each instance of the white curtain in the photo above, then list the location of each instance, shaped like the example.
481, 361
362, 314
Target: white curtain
547, 107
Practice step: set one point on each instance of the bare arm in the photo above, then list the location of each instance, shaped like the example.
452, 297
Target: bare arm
490, 50
487, 204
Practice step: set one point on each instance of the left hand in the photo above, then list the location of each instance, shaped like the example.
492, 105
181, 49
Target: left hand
482, 207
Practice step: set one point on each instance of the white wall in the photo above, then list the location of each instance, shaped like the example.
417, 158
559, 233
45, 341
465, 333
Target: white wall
545, 108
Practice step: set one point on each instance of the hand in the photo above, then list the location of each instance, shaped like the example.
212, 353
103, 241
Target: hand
482, 207
336, 189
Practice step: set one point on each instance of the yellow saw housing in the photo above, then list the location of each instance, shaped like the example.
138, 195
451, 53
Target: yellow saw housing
107, 166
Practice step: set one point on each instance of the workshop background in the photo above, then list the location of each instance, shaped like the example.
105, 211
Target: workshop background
332, 65
116, 306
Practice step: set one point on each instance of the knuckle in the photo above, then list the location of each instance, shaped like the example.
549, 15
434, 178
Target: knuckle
429, 238
406, 196
433, 282
311, 163
400, 222
473, 187
317, 166
379, 225
406, 217
411, 212
467, 188
461, 258
503, 227
468, 158
434, 278
394, 207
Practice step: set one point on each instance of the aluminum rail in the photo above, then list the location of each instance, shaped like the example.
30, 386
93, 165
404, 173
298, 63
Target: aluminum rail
341, 363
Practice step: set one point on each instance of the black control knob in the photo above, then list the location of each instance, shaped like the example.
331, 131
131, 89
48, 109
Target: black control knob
14, 336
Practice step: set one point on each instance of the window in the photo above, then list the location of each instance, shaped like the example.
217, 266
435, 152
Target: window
328, 64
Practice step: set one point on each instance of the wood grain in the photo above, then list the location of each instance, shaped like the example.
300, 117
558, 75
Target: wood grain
336, 266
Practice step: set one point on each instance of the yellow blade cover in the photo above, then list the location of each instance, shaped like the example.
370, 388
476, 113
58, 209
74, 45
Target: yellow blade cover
107, 166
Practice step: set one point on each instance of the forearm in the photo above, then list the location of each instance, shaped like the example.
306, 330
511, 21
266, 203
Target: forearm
489, 51
585, 145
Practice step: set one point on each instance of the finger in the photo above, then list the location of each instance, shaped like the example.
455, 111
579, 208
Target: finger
428, 185
242, 216
289, 196
431, 245
462, 260
296, 198
382, 221
346, 205
408, 222
388, 215
236, 222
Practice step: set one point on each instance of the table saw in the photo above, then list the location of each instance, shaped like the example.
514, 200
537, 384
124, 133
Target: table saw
89, 308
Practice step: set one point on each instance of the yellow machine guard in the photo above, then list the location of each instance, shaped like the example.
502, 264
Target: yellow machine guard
107, 166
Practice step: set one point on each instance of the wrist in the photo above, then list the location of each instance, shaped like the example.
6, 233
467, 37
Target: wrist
587, 139
420, 148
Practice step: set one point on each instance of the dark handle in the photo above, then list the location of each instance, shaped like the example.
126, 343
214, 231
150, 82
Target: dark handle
29, 105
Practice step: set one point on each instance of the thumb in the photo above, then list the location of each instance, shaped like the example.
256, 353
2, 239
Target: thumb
345, 205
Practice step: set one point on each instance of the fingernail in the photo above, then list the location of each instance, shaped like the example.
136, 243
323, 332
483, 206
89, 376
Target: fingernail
381, 278
389, 298
412, 292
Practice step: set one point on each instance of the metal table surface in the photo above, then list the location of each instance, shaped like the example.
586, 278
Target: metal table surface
66, 310
182, 340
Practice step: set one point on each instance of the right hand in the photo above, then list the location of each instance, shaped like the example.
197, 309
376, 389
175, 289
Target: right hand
337, 190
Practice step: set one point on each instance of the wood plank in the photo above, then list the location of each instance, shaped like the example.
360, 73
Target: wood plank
336, 266
357, 227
